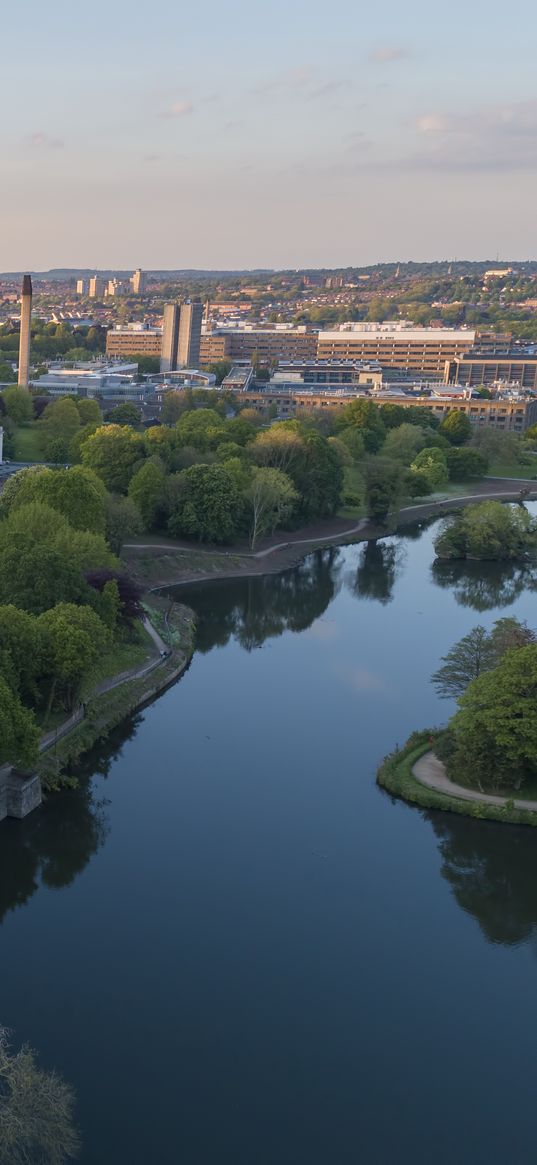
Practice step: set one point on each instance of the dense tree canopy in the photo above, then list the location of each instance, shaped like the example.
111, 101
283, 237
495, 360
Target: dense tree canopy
113, 452
489, 530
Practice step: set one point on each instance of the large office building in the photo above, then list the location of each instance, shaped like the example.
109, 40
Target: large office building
134, 340
507, 414
494, 364
264, 345
188, 346
397, 345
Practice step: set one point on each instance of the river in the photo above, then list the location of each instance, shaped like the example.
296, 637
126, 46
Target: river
235, 947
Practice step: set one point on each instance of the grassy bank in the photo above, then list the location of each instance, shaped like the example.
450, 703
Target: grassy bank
104, 712
396, 777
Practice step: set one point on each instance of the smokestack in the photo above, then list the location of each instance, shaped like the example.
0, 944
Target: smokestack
24, 342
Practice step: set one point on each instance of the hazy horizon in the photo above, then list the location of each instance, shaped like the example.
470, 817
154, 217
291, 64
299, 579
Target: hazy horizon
224, 138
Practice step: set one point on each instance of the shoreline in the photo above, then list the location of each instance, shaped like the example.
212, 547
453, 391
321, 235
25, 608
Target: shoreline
178, 565
401, 776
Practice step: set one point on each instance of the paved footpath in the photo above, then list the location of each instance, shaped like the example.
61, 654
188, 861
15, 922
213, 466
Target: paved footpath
430, 771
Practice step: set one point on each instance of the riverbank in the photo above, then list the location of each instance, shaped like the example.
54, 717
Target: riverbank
163, 562
414, 774
119, 696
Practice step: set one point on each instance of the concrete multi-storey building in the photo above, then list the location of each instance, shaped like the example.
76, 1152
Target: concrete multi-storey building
265, 345
479, 366
170, 336
188, 345
506, 415
134, 340
96, 288
397, 345
82, 286
138, 282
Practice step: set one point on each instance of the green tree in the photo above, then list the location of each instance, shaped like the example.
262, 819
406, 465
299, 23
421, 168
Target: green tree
363, 414
123, 521
18, 405
201, 428
43, 560
404, 443
383, 487
432, 463
74, 638
173, 407
271, 498
465, 661
88, 411
488, 531
147, 489
495, 728
466, 464
79, 439
58, 425
457, 427
160, 440
19, 741
125, 414
20, 652
205, 504
113, 452
77, 493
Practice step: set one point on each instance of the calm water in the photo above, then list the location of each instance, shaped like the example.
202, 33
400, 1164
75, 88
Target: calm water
235, 947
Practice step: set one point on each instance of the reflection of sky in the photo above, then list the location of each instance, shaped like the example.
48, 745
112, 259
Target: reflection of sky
298, 955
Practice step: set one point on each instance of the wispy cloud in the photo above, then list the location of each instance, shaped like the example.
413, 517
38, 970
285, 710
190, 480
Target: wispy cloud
387, 54
304, 81
179, 109
490, 137
43, 141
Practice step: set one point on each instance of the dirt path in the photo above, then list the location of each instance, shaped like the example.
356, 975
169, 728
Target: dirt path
491, 488
431, 772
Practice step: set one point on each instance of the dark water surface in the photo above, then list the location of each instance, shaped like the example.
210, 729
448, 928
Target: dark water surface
234, 946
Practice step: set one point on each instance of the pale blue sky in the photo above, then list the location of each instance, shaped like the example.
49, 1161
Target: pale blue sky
285, 134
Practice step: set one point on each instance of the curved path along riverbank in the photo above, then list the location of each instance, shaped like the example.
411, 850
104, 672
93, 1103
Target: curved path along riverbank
431, 772
211, 562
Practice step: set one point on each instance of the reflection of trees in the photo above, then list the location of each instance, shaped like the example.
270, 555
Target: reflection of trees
57, 841
51, 846
255, 609
379, 565
484, 585
491, 871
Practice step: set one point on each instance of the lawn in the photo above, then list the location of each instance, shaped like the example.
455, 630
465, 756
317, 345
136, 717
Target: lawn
513, 469
27, 444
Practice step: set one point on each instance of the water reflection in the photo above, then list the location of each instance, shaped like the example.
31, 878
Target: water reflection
256, 609
378, 569
51, 847
484, 585
54, 844
491, 871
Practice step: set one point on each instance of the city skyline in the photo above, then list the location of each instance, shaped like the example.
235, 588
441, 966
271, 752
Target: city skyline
220, 138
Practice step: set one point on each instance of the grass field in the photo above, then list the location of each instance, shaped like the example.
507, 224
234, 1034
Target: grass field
27, 445
513, 469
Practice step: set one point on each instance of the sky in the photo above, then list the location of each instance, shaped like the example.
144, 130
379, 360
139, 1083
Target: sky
289, 134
